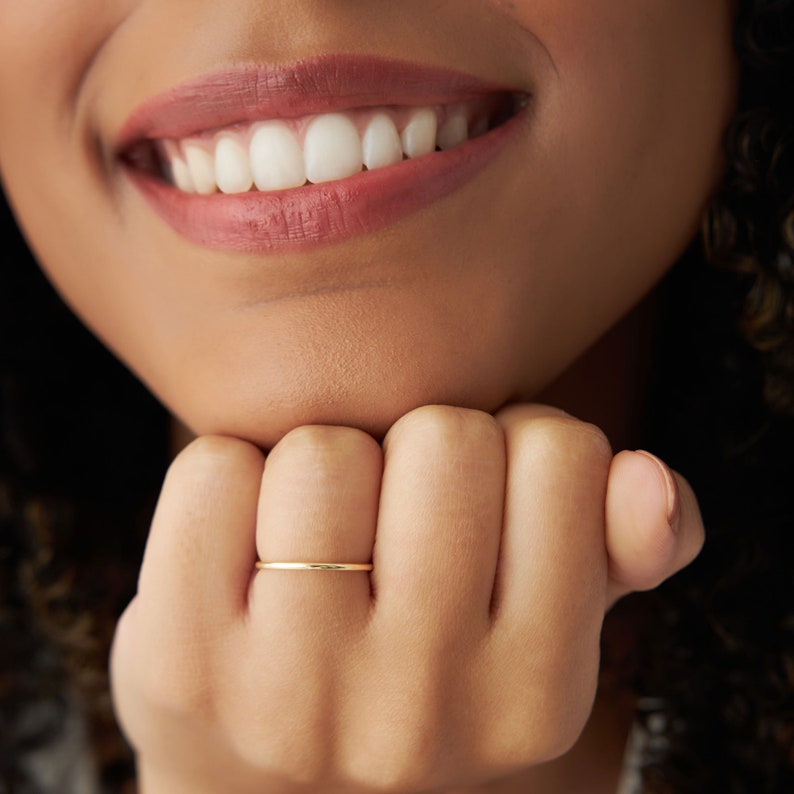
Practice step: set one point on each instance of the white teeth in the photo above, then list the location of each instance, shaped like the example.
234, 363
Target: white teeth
332, 148
201, 165
419, 135
232, 168
381, 143
177, 167
454, 131
285, 154
276, 157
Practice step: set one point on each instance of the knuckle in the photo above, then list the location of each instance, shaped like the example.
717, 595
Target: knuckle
540, 709
173, 672
397, 747
318, 448
278, 719
208, 456
443, 428
541, 731
173, 684
567, 441
398, 765
282, 754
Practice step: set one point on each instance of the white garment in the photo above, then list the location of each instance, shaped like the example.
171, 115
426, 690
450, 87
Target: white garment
643, 738
631, 779
64, 766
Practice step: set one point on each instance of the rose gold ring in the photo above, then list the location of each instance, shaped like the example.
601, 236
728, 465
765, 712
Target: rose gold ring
313, 566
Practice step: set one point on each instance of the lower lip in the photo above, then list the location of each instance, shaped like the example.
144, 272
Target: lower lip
317, 215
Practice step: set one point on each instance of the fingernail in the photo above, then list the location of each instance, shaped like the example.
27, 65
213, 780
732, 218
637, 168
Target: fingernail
670, 487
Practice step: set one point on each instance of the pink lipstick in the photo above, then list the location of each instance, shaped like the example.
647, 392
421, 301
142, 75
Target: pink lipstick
274, 159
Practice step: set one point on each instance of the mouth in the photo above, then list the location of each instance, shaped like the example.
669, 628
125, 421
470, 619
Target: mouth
263, 159
283, 154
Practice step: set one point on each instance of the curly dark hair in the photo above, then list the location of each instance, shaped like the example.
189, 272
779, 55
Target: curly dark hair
83, 449
717, 661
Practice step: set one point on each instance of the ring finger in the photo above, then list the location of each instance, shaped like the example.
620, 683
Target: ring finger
318, 504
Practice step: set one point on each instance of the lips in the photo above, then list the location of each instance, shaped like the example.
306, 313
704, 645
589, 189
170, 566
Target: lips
340, 120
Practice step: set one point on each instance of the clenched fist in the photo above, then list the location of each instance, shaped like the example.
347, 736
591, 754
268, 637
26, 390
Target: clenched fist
469, 652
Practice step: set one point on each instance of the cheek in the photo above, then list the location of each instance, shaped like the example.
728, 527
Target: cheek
625, 152
631, 128
45, 49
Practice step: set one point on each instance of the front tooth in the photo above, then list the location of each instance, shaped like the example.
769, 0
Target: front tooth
332, 148
180, 173
232, 168
201, 165
381, 143
453, 132
276, 157
419, 135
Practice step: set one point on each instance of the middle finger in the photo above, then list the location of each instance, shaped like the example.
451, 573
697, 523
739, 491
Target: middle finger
440, 521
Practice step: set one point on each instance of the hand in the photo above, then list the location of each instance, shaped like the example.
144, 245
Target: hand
470, 651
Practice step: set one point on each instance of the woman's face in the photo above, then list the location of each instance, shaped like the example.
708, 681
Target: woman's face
470, 276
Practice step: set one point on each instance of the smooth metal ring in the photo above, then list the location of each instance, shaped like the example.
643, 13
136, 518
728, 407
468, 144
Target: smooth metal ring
313, 566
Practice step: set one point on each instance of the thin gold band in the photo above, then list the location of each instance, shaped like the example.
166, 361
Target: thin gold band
313, 566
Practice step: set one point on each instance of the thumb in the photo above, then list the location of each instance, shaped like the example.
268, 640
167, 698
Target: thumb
653, 523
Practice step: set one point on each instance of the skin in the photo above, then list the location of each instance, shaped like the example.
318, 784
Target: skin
615, 167
578, 219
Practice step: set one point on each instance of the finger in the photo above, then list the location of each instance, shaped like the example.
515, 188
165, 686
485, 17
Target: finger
440, 520
653, 528
553, 561
197, 564
318, 504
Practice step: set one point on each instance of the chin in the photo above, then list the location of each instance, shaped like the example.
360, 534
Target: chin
264, 419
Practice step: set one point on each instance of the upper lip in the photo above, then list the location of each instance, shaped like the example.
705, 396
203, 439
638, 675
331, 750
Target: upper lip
319, 84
